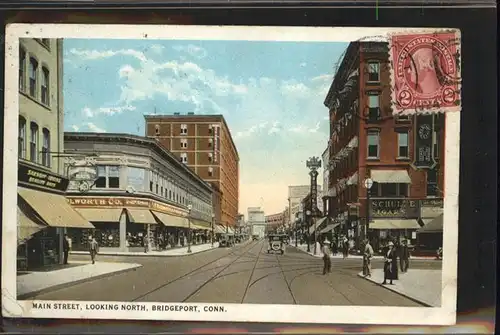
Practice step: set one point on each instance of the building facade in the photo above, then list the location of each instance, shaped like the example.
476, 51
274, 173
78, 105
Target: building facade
256, 221
402, 154
136, 193
295, 195
43, 212
274, 222
203, 143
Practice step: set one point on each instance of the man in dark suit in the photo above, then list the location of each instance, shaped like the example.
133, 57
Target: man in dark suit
404, 256
66, 248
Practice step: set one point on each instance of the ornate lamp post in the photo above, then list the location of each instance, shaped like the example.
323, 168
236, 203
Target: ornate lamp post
190, 207
313, 163
368, 185
296, 231
212, 237
308, 215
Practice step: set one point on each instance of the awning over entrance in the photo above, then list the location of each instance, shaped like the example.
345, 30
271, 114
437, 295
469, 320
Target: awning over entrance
330, 227
171, 220
394, 224
390, 176
141, 216
318, 223
27, 227
201, 224
100, 214
53, 209
435, 226
220, 229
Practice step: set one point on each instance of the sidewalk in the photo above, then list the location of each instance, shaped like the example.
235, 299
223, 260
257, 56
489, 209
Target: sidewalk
195, 249
423, 286
303, 248
33, 283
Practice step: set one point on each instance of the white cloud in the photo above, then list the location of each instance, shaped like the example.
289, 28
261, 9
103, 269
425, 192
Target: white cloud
275, 128
192, 50
75, 127
96, 54
89, 112
93, 128
301, 128
323, 77
303, 64
156, 48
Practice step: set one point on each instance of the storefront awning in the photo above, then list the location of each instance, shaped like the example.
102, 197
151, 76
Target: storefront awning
220, 229
53, 209
317, 225
143, 216
230, 230
435, 226
27, 227
100, 214
330, 227
201, 224
171, 220
353, 180
390, 176
394, 224
429, 213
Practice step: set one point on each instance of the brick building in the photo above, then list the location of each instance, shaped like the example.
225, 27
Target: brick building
204, 143
274, 222
402, 154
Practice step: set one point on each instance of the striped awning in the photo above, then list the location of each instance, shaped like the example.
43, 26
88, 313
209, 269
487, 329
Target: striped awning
393, 224
330, 227
390, 176
143, 216
171, 220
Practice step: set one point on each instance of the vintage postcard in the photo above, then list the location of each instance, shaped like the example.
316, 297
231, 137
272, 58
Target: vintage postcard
260, 174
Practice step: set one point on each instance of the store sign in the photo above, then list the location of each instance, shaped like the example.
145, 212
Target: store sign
31, 176
394, 208
423, 156
83, 173
216, 142
432, 203
167, 209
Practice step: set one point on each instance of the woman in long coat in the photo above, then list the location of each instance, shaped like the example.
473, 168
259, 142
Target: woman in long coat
390, 265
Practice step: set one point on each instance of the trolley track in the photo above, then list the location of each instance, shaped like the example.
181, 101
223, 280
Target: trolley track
251, 274
286, 280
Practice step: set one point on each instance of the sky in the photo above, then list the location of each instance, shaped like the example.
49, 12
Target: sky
270, 93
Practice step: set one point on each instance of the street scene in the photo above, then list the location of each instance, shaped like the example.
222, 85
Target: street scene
216, 172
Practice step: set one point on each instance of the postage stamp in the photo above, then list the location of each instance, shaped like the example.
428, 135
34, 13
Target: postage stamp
239, 174
425, 71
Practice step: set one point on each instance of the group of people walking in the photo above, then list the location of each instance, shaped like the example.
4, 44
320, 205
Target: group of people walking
391, 254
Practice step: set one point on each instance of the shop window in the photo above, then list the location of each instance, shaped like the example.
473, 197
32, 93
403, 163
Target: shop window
46, 147
403, 146
21, 140
391, 190
45, 86
22, 69
373, 72
373, 107
373, 144
34, 142
33, 69
184, 129
432, 183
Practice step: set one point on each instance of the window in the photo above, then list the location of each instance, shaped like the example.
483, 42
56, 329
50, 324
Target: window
46, 147
157, 189
210, 157
162, 192
432, 183
21, 140
136, 178
113, 176
403, 146
184, 129
34, 142
101, 177
184, 143
436, 140
210, 129
373, 106
210, 171
373, 72
45, 86
157, 129
33, 76
22, 69
184, 158
373, 144
170, 194
210, 142
402, 118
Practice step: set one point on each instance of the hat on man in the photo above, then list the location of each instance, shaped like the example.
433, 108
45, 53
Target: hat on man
326, 242
391, 244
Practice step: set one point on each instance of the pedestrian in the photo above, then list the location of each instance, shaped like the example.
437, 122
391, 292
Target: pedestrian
327, 262
66, 248
145, 242
93, 248
367, 259
390, 265
345, 247
404, 256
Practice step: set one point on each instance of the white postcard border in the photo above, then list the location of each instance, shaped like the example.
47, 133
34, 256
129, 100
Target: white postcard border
11, 307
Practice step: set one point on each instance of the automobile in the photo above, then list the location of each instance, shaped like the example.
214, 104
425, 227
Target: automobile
226, 242
255, 237
276, 243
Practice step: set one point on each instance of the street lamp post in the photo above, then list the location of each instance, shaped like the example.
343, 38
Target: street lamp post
212, 237
308, 214
368, 185
313, 164
190, 207
296, 231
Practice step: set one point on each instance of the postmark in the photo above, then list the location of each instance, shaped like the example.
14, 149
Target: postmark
425, 74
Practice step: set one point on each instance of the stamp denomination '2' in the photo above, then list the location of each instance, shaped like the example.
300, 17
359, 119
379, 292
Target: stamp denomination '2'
425, 72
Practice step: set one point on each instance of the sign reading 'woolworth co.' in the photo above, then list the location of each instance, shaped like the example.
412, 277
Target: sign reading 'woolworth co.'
106, 202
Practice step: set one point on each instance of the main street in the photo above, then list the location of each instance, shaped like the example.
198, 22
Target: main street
241, 274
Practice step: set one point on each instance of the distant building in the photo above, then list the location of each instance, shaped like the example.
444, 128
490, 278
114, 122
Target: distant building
257, 221
295, 196
203, 143
274, 222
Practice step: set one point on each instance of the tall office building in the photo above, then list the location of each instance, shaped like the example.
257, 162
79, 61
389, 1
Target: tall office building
204, 143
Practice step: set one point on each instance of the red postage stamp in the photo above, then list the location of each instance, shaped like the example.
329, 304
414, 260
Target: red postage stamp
425, 74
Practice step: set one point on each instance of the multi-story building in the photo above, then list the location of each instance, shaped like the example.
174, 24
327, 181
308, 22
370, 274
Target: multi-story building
401, 154
43, 212
135, 192
295, 196
274, 222
203, 143
256, 221
326, 173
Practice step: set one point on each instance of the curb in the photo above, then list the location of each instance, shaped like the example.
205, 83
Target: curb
389, 288
416, 258
25, 296
142, 254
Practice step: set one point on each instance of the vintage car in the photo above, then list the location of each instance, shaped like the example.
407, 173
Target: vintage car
255, 237
226, 241
276, 243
